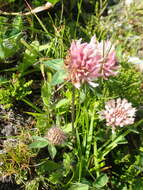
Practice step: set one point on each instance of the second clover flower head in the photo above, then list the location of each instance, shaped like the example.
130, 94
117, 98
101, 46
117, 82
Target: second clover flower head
88, 61
118, 112
56, 136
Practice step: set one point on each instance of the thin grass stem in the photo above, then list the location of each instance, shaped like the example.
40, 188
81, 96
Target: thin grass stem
31, 105
79, 12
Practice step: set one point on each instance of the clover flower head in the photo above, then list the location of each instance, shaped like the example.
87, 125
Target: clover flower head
82, 63
118, 113
86, 62
56, 136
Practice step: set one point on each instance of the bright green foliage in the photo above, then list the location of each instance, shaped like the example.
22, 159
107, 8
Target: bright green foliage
128, 85
14, 90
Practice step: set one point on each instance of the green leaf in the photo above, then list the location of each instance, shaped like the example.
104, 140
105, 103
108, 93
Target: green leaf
122, 141
39, 144
37, 138
67, 128
62, 103
59, 77
56, 64
67, 163
101, 181
56, 177
9, 46
47, 166
79, 186
37, 114
30, 55
46, 93
52, 151
134, 131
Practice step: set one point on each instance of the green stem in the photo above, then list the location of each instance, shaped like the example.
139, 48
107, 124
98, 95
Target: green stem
73, 109
42, 25
79, 12
80, 170
31, 105
96, 164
